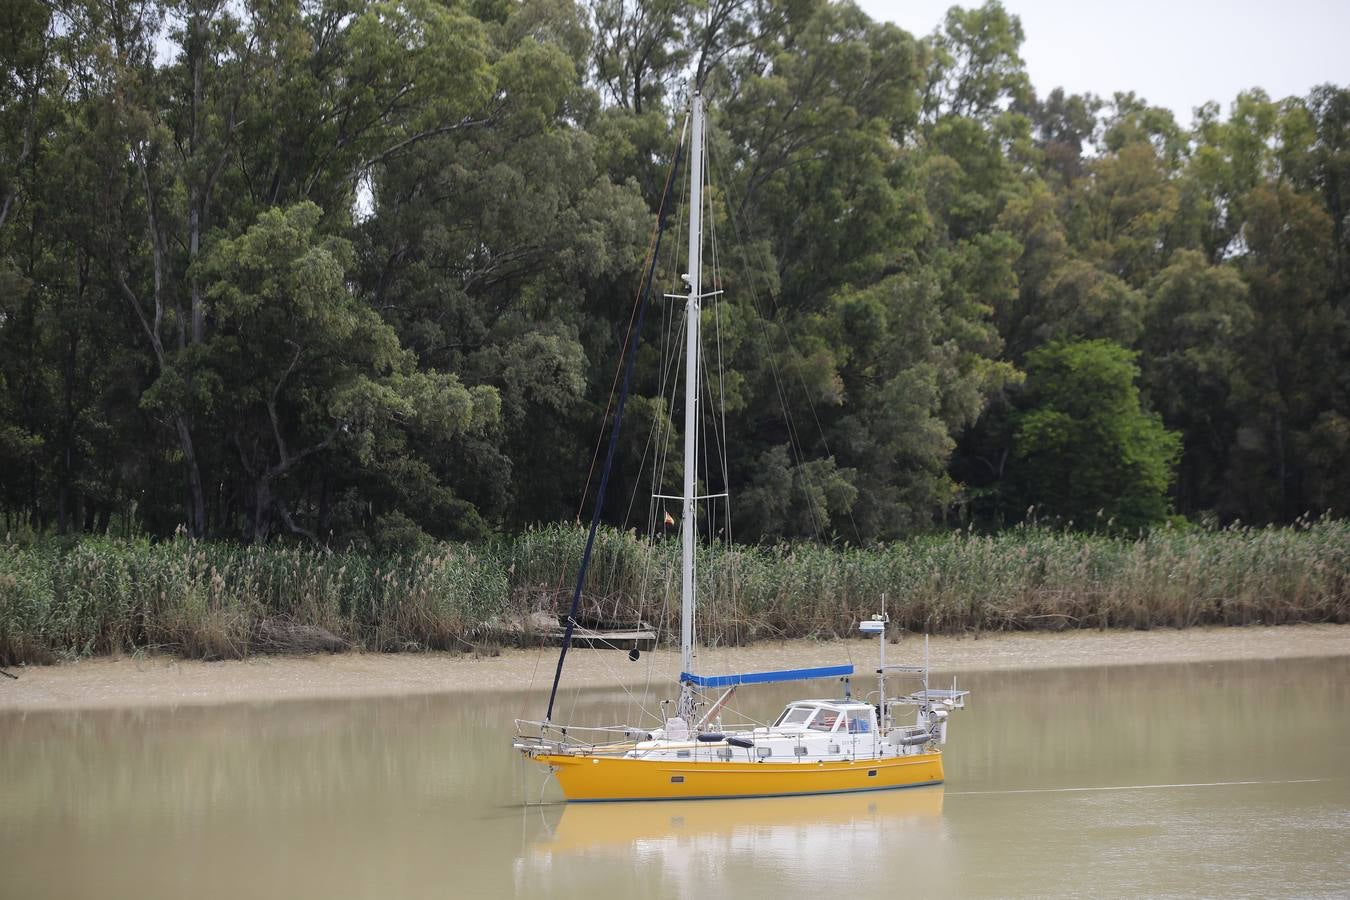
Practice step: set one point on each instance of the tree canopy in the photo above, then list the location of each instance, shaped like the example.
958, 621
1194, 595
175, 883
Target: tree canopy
361, 273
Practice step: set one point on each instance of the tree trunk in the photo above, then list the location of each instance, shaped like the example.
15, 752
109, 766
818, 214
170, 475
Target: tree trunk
325, 510
262, 509
196, 496
66, 471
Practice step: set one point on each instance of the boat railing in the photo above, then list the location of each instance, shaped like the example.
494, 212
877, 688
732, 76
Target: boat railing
957, 699
537, 737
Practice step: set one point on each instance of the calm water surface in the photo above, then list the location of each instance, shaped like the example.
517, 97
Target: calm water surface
1228, 779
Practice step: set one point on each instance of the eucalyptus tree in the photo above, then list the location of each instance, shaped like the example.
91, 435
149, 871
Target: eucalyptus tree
27, 68
507, 254
1196, 323
65, 412
976, 68
1297, 330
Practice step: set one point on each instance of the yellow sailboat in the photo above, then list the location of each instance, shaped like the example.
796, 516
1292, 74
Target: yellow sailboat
818, 746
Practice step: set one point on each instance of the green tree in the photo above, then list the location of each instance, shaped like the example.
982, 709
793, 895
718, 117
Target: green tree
1086, 451
976, 68
306, 366
1290, 373
1196, 323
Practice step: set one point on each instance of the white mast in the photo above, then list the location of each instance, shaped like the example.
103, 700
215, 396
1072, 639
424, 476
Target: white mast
691, 362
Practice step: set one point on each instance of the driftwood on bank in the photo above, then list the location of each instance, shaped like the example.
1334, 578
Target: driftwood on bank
547, 628
274, 636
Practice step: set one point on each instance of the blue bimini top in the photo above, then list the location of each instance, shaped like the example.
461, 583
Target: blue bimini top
716, 681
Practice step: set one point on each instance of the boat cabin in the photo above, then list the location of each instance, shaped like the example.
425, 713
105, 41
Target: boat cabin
836, 716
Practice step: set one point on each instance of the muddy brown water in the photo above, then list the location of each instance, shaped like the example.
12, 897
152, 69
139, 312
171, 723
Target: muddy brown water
1224, 779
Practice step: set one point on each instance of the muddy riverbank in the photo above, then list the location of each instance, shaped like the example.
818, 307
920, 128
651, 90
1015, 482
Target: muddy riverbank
166, 681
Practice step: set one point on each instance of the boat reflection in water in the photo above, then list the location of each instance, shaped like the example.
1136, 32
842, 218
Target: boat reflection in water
726, 845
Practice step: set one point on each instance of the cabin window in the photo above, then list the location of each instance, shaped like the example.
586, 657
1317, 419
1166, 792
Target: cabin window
682, 754
834, 748
800, 751
860, 721
794, 715
724, 753
825, 720
764, 752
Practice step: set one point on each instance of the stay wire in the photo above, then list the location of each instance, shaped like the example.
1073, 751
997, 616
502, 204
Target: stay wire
635, 333
736, 227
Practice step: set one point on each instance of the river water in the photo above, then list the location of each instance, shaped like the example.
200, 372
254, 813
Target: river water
1226, 779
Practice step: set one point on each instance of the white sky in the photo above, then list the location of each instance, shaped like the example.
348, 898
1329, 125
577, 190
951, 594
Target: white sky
1176, 54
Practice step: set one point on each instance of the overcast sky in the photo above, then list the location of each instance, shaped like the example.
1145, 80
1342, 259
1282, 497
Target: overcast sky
1176, 54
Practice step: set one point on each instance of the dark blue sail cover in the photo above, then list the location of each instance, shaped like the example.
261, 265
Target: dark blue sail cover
717, 681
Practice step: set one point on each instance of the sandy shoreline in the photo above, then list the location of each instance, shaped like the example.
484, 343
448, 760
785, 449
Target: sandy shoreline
164, 681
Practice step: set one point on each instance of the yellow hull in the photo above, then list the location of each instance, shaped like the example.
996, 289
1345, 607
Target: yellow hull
584, 778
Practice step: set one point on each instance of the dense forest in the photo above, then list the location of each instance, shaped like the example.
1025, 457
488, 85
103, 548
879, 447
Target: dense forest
361, 273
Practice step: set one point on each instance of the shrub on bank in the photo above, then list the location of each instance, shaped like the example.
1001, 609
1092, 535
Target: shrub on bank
214, 600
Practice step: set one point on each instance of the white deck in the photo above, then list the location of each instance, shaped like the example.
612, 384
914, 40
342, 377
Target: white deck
807, 731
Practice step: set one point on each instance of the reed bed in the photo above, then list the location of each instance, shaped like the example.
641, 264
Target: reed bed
213, 600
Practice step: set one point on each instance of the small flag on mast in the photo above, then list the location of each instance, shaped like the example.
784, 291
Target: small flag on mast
670, 520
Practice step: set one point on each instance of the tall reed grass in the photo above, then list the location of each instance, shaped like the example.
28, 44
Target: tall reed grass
210, 600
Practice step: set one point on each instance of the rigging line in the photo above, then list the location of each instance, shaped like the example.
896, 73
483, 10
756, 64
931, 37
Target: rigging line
657, 437
714, 436
673, 352
794, 438
666, 428
653, 434
647, 447
712, 406
712, 611
794, 433
631, 358
795, 443
810, 404
721, 370
653, 250
539, 649
663, 427
645, 588
708, 606
720, 406
600, 654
